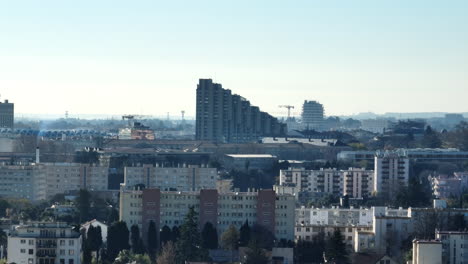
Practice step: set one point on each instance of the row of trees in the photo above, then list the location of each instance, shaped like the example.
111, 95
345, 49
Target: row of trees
179, 244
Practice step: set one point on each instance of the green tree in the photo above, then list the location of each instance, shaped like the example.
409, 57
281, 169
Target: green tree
117, 239
209, 236
335, 249
168, 254
255, 254
94, 239
4, 205
152, 240
112, 216
137, 243
230, 238
189, 244
83, 205
263, 237
165, 235
244, 234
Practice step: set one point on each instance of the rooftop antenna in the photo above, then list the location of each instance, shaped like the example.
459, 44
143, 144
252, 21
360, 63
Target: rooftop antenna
183, 115
167, 116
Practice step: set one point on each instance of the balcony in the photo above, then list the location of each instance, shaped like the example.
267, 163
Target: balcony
45, 254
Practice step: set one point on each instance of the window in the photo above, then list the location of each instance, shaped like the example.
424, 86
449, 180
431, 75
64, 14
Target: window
23, 241
23, 250
71, 252
71, 242
31, 252
71, 261
62, 243
31, 242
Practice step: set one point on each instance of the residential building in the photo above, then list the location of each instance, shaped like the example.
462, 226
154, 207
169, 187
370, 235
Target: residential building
44, 243
23, 182
444, 186
454, 246
69, 177
391, 172
181, 178
354, 182
273, 211
378, 125
427, 252
225, 117
312, 115
7, 114
244, 162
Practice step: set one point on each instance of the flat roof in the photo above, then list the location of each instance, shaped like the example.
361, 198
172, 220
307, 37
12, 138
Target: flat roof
251, 155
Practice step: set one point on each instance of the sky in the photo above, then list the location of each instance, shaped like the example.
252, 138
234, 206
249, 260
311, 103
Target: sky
115, 57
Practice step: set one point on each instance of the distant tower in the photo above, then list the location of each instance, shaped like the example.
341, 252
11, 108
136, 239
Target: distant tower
167, 116
7, 114
66, 114
183, 116
312, 115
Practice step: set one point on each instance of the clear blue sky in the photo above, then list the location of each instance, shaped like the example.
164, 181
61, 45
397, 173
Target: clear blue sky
116, 57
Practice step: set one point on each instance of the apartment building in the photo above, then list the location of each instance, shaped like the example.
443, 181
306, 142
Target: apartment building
23, 182
265, 208
454, 246
40, 181
354, 182
444, 186
182, 178
391, 172
44, 243
222, 116
67, 177
7, 114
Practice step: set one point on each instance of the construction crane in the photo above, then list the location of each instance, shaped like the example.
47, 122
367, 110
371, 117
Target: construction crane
289, 107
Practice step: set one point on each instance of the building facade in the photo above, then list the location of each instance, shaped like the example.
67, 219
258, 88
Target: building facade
225, 117
182, 178
454, 246
23, 182
312, 115
354, 182
427, 252
265, 208
391, 172
7, 114
44, 243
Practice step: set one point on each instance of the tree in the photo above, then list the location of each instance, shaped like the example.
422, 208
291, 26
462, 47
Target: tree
4, 204
244, 234
117, 239
209, 236
168, 254
335, 249
83, 205
112, 216
152, 240
189, 244
126, 257
230, 238
263, 237
175, 234
137, 243
255, 254
165, 235
94, 239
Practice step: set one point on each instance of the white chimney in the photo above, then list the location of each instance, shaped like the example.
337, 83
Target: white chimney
37, 155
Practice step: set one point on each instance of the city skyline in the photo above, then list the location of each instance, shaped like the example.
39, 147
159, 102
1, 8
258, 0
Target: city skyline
123, 58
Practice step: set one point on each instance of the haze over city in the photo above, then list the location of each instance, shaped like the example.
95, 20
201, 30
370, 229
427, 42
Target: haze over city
145, 57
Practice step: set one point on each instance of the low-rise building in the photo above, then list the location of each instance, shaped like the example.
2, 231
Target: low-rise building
243, 162
44, 243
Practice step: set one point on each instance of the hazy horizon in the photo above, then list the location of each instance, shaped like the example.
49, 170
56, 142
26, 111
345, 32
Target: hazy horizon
119, 57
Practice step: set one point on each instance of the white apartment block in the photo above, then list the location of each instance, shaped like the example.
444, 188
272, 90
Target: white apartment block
391, 172
66, 177
23, 182
274, 212
183, 178
44, 243
354, 182
454, 246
